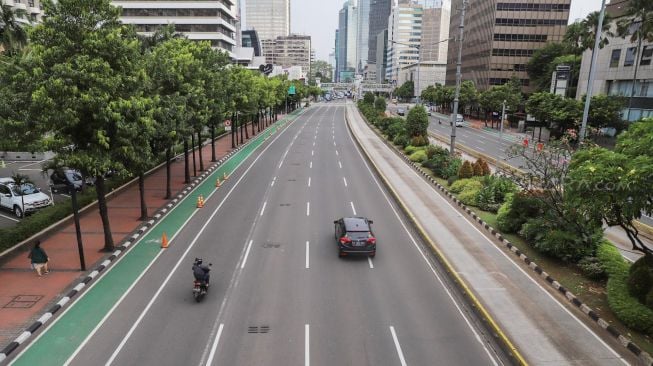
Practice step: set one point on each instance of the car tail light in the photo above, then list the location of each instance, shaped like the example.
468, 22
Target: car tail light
345, 240
371, 240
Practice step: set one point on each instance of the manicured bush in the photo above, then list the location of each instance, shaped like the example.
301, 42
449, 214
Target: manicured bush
640, 278
419, 141
380, 104
418, 156
396, 128
451, 180
432, 150
477, 168
592, 268
400, 140
410, 149
626, 307
466, 183
468, 196
494, 191
443, 166
368, 98
558, 240
611, 260
516, 210
466, 170
417, 122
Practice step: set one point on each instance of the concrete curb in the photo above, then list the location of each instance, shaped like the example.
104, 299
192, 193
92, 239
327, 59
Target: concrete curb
122, 249
476, 305
644, 357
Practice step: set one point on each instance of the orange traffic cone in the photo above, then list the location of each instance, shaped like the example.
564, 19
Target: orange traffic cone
217, 183
200, 201
224, 176
164, 240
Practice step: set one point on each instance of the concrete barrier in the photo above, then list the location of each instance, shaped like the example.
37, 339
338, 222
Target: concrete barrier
21, 156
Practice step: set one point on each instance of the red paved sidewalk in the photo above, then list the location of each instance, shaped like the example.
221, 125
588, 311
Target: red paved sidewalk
24, 296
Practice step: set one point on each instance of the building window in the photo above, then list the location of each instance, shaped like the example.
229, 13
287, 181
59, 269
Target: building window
647, 54
614, 58
630, 57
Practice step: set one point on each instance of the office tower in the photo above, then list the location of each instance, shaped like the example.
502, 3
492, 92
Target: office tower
379, 13
404, 36
362, 38
500, 37
212, 21
270, 18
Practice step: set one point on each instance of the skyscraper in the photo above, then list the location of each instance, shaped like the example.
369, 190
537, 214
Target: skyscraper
270, 18
500, 37
404, 36
362, 38
379, 13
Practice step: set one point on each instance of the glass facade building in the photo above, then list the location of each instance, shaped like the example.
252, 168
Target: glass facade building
270, 18
500, 36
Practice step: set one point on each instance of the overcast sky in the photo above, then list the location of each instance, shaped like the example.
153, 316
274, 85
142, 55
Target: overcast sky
319, 19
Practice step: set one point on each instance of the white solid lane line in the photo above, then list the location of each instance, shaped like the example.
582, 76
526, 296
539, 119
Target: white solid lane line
273, 180
340, 164
309, 181
352, 207
307, 256
398, 346
307, 344
369, 260
215, 345
308, 208
344, 180
263, 209
249, 246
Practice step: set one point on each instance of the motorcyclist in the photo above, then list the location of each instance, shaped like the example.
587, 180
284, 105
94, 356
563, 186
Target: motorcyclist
201, 271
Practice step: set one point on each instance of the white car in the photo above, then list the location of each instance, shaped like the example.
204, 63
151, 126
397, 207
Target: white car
459, 120
21, 200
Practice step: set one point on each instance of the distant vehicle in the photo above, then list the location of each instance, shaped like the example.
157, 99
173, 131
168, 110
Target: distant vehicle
354, 236
21, 200
401, 111
60, 180
394, 100
459, 120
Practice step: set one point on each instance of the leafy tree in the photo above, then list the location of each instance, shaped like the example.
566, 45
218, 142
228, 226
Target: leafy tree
380, 104
468, 95
13, 35
406, 90
605, 111
417, 122
368, 98
491, 100
87, 87
444, 95
429, 94
538, 65
558, 112
323, 70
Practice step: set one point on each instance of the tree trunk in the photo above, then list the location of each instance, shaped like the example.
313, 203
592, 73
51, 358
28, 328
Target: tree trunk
186, 163
141, 188
213, 143
199, 150
233, 132
246, 133
168, 157
241, 131
104, 214
192, 150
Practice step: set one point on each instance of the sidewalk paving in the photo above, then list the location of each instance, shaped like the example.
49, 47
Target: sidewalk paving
24, 296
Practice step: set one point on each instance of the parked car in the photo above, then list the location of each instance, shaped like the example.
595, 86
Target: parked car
401, 111
21, 200
354, 236
459, 120
60, 180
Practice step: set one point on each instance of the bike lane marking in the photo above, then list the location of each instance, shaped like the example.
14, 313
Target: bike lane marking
56, 343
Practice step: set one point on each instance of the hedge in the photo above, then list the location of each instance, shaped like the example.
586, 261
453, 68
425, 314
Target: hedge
627, 308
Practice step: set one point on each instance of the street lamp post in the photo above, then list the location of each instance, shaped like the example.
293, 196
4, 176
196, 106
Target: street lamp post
503, 116
454, 115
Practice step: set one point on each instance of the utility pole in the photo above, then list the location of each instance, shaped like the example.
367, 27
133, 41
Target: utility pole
503, 116
588, 94
454, 115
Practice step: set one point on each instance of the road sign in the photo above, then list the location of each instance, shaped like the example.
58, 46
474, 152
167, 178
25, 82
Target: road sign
227, 125
291, 90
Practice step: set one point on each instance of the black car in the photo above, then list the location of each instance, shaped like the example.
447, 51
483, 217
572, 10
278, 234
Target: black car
354, 236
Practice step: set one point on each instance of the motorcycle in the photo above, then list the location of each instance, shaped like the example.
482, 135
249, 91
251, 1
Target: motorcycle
199, 290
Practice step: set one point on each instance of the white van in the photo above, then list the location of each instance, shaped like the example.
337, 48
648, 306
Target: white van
21, 200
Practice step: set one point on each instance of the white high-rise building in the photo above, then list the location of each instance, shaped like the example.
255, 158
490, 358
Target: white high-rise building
363, 34
404, 37
201, 20
270, 18
352, 35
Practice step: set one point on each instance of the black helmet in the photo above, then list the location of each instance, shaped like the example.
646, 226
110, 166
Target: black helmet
198, 260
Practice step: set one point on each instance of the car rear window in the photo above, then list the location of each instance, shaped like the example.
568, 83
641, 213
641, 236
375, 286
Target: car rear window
358, 235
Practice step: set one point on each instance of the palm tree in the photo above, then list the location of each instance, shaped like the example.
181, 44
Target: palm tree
581, 35
13, 36
638, 24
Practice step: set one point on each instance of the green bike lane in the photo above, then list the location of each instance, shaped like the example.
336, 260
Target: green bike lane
60, 340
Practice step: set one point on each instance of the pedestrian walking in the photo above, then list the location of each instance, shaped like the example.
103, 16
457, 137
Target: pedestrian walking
39, 259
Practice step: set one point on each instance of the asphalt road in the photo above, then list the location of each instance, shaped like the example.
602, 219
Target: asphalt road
279, 293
